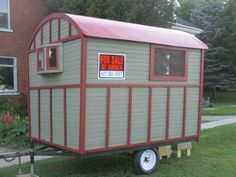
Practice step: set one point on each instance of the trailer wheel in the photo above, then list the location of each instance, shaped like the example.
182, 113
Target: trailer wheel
146, 161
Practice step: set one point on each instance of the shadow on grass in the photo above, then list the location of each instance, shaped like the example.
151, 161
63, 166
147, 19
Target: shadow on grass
214, 156
115, 165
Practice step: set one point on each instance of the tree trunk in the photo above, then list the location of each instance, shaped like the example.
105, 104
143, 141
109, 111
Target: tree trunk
213, 93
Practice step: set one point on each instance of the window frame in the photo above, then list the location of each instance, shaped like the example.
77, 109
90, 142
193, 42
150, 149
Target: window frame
154, 77
8, 29
38, 54
57, 59
14, 66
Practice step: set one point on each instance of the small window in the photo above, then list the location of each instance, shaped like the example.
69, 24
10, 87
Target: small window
40, 59
52, 58
4, 14
8, 74
168, 64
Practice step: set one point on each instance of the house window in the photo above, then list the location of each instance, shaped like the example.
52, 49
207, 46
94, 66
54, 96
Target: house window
8, 74
40, 59
52, 57
168, 64
4, 14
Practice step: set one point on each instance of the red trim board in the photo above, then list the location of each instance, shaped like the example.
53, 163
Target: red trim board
130, 115
83, 94
108, 116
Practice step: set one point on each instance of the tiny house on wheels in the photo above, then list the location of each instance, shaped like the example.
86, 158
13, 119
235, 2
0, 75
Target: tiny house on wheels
98, 86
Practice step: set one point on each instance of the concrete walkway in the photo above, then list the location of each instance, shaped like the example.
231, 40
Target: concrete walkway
215, 118
215, 122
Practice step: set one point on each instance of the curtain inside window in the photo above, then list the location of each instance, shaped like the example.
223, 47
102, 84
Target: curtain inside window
7, 74
4, 14
3, 6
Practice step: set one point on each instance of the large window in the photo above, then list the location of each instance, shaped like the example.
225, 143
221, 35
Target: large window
168, 64
8, 80
4, 14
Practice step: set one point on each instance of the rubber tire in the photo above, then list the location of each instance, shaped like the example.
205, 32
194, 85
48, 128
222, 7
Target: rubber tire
137, 162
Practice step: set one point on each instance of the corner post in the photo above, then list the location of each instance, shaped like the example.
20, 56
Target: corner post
83, 94
200, 95
32, 159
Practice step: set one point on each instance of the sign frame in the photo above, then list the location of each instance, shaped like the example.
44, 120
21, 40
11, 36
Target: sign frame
111, 78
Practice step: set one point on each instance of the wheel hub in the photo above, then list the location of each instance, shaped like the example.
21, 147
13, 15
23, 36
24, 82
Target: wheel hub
148, 160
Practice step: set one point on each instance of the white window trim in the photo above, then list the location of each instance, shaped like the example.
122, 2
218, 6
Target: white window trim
15, 90
9, 20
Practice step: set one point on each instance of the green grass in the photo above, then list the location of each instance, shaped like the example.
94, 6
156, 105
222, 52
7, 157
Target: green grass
214, 156
224, 104
224, 98
219, 110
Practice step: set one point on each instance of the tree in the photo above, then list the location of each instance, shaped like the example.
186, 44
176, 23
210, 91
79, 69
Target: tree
153, 12
148, 12
68, 6
229, 20
208, 16
186, 7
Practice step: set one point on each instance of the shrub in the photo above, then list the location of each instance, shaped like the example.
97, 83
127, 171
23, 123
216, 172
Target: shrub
13, 126
14, 135
7, 107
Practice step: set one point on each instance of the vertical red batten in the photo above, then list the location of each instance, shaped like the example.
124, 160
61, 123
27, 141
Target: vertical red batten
59, 29
168, 113
51, 121
200, 96
34, 43
69, 30
108, 116
83, 94
28, 96
65, 118
184, 111
50, 31
39, 114
149, 116
41, 42
130, 115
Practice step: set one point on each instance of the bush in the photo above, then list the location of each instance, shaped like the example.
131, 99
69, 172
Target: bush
14, 133
7, 107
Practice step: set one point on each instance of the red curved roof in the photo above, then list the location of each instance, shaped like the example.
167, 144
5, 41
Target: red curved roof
110, 29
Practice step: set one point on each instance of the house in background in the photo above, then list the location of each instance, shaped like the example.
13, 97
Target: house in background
184, 25
18, 19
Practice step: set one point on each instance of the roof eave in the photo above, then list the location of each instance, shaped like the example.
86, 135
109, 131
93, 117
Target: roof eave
188, 29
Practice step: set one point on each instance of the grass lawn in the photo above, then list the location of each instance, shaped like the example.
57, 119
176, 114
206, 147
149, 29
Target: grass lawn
214, 156
224, 104
220, 109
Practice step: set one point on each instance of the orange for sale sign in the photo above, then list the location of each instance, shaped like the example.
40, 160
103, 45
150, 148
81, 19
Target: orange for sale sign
111, 66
